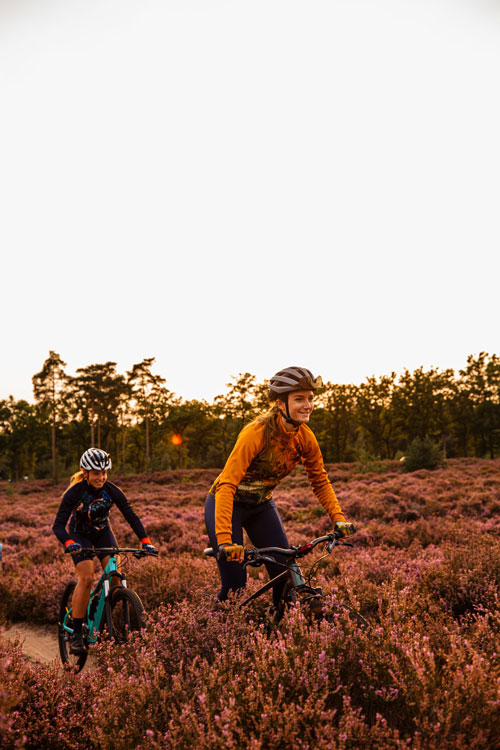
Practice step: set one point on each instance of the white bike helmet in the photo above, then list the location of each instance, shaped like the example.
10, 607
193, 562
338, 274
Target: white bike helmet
95, 458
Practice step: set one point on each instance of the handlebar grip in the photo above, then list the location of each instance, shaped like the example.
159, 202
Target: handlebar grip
144, 553
209, 552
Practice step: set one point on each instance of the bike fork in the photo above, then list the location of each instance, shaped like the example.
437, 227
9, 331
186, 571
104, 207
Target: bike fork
108, 608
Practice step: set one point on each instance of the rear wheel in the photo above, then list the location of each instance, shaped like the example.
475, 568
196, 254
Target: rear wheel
127, 614
72, 662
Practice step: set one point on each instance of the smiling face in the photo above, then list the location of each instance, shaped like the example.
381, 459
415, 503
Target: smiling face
300, 405
96, 478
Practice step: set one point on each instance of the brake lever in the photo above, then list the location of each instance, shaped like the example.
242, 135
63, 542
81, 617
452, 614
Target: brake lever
335, 542
256, 561
142, 553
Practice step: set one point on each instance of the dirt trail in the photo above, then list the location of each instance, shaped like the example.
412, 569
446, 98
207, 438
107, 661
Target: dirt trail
39, 642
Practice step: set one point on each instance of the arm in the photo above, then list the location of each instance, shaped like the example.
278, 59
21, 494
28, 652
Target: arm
320, 482
249, 443
68, 504
128, 513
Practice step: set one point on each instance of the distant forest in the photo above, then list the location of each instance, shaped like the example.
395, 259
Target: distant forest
146, 427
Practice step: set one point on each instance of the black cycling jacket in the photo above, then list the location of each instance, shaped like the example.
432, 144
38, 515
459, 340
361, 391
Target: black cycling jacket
89, 510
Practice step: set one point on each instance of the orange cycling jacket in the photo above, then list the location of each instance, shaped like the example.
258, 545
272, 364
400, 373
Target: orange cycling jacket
251, 472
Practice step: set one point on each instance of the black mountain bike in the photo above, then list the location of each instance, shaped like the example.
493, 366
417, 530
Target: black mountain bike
113, 610
298, 589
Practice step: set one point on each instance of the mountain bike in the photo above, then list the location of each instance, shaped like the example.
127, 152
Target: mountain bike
298, 578
113, 610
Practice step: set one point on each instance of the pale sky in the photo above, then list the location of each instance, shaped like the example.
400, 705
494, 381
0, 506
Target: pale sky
237, 186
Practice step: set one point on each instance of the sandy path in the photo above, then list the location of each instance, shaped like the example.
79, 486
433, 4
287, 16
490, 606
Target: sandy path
39, 642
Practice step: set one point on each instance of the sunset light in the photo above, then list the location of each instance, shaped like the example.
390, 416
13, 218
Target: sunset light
270, 227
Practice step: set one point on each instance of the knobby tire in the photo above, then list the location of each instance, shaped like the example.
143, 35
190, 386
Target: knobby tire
353, 615
127, 614
313, 607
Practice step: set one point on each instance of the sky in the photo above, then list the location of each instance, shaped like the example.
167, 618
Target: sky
236, 187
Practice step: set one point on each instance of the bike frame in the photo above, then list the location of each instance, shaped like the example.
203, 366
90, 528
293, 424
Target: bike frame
98, 602
293, 571
291, 568
294, 579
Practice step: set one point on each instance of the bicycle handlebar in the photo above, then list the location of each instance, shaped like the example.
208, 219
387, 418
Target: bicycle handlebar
258, 556
94, 551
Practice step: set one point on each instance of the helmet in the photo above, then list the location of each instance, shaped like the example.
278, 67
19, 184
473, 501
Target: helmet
293, 379
95, 458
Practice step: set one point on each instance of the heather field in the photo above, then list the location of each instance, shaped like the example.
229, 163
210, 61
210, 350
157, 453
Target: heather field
424, 569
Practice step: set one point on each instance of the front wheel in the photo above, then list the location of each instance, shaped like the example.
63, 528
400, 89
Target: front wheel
313, 605
72, 662
340, 609
356, 617
126, 614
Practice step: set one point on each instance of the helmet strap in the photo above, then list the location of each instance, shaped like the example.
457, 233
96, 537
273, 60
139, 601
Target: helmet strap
287, 416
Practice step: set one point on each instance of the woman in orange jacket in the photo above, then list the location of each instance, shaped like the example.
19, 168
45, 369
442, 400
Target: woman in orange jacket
265, 452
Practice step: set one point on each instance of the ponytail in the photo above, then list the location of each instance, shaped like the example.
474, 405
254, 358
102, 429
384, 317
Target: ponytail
270, 422
78, 477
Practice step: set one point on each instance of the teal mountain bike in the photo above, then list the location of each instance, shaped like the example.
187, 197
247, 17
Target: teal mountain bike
113, 610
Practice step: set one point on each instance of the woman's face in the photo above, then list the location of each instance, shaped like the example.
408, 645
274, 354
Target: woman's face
96, 478
300, 405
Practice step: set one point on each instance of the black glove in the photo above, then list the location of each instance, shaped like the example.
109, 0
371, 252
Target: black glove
147, 547
73, 548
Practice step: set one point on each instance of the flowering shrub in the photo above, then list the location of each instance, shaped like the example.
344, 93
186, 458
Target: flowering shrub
425, 570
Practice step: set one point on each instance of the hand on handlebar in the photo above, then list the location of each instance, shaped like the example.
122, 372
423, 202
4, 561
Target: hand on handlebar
343, 529
149, 549
73, 549
231, 552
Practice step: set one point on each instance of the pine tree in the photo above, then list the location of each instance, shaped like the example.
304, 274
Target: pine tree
49, 391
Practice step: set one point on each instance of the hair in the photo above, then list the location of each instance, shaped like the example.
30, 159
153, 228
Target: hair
78, 477
270, 421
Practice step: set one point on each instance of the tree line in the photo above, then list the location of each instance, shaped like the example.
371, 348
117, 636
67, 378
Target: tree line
146, 427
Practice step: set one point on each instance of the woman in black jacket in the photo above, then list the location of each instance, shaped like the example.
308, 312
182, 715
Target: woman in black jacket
87, 503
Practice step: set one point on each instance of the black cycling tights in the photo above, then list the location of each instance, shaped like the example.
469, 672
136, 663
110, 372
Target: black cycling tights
264, 528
